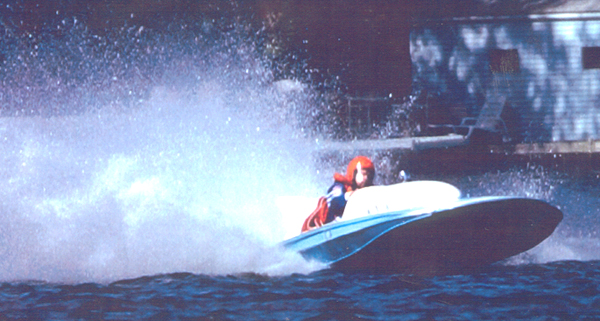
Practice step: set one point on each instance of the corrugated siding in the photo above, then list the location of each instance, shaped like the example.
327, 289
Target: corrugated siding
554, 97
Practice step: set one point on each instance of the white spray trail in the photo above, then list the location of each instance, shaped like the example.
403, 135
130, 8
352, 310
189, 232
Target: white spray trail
184, 180
170, 188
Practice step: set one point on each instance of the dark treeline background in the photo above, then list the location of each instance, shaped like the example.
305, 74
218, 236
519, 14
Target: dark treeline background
364, 44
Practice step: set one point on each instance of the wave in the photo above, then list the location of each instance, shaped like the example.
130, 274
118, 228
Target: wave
144, 152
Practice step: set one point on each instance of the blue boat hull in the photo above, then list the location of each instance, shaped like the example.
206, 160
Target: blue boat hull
467, 235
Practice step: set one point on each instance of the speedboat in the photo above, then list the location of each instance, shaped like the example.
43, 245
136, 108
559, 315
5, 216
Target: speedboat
426, 228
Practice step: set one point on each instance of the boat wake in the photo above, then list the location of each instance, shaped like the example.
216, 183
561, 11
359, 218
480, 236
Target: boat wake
176, 174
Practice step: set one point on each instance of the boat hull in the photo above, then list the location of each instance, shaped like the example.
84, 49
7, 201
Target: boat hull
467, 235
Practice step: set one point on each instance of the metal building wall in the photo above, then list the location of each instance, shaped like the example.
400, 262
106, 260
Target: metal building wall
553, 96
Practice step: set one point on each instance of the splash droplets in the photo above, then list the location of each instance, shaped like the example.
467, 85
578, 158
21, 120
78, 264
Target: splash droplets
142, 151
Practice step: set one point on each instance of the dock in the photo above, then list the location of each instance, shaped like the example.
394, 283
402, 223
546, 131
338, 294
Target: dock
406, 143
454, 140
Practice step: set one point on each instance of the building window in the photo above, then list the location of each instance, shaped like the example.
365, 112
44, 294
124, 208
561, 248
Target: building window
590, 57
504, 61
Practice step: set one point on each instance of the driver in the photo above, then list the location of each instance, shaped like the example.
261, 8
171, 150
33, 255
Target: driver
359, 174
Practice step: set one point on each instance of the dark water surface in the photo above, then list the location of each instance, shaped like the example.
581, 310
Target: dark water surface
566, 290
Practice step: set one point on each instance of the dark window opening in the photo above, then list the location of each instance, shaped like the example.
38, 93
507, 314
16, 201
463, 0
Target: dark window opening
590, 57
504, 61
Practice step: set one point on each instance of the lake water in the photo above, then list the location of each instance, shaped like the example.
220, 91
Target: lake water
566, 290
557, 280
142, 177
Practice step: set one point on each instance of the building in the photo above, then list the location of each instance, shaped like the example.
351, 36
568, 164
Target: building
544, 66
